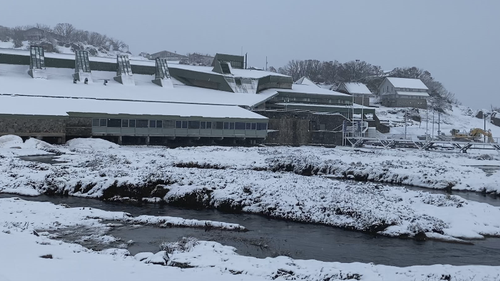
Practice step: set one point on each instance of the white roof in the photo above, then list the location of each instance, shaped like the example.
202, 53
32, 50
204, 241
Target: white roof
313, 90
420, 94
357, 88
15, 80
236, 72
306, 81
407, 83
323, 105
133, 60
50, 106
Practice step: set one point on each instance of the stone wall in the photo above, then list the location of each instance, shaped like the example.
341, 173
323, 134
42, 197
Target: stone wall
79, 127
303, 128
33, 126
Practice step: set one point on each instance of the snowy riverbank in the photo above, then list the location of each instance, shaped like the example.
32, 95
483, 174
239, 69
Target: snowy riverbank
25, 242
279, 182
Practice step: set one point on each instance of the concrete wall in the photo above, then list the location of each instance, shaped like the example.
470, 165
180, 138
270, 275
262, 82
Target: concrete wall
303, 128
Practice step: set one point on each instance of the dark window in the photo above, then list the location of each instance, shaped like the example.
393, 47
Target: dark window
248, 126
131, 123
142, 123
261, 126
209, 125
231, 125
178, 124
226, 125
125, 123
95, 122
239, 126
254, 126
115, 123
203, 125
159, 124
184, 124
218, 125
102, 122
152, 123
194, 124
169, 124
238, 81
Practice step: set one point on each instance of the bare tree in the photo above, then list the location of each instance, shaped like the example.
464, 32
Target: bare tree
64, 29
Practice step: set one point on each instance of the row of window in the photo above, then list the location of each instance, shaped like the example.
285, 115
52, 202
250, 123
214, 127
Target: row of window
171, 124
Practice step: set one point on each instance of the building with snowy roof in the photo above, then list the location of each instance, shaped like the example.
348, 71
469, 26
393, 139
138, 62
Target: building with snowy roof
403, 92
78, 96
358, 91
144, 101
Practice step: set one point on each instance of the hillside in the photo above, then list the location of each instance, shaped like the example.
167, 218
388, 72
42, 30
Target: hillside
63, 38
459, 117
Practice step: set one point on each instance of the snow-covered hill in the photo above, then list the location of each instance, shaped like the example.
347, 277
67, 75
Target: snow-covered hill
460, 118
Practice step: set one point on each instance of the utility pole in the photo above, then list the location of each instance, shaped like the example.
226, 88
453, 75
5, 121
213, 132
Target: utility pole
266, 63
427, 124
406, 114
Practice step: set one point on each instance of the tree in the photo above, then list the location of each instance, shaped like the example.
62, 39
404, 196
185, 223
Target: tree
64, 29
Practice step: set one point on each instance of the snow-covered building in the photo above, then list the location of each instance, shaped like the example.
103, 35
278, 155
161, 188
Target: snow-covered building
403, 92
359, 91
170, 56
119, 102
144, 101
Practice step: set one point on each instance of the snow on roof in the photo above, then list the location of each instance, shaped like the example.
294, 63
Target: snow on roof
420, 94
323, 105
50, 106
357, 88
15, 80
306, 81
133, 61
407, 83
247, 73
313, 90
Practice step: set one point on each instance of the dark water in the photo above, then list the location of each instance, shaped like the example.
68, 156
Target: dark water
270, 237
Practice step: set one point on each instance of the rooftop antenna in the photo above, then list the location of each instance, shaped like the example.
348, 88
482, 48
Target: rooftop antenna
266, 63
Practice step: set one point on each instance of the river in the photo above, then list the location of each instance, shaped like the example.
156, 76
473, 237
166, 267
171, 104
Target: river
270, 237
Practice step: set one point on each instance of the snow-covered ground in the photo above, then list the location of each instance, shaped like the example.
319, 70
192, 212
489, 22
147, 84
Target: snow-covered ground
25, 242
280, 182
460, 118
301, 183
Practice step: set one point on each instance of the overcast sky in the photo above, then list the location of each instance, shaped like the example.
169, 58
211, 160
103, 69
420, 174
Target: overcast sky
457, 41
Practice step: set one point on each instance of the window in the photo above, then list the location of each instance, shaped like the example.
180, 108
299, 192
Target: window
178, 124
194, 124
131, 123
226, 125
218, 125
203, 125
169, 124
248, 126
152, 123
159, 124
95, 122
114, 123
184, 124
231, 126
239, 126
124, 123
141, 123
209, 125
254, 126
102, 122
261, 126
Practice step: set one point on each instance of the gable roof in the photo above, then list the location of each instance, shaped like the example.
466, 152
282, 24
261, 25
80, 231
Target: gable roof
356, 88
306, 81
407, 83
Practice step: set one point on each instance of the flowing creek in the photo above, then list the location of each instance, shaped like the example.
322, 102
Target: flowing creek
269, 237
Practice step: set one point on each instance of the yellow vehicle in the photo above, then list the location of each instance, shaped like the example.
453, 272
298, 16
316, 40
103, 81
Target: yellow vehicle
473, 135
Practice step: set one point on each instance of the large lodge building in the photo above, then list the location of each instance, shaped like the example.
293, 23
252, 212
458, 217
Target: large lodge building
57, 97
